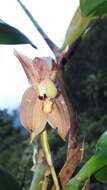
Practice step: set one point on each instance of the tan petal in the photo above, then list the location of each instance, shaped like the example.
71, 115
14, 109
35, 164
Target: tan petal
39, 118
26, 108
25, 62
59, 117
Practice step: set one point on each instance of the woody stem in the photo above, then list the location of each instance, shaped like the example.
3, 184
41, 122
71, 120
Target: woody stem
46, 149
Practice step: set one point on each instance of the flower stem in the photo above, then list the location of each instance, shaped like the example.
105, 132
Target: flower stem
46, 148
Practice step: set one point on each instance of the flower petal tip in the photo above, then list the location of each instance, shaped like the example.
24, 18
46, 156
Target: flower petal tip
32, 136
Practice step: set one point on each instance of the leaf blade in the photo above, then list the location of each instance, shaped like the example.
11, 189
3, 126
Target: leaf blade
101, 175
11, 35
87, 8
77, 26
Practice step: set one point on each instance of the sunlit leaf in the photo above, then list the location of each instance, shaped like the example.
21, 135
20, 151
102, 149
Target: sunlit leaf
11, 35
77, 26
96, 6
101, 175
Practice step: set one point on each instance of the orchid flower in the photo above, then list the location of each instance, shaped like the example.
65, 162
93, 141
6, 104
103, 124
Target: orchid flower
43, 101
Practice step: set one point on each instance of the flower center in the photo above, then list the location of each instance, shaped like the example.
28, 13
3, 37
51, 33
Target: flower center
47, 89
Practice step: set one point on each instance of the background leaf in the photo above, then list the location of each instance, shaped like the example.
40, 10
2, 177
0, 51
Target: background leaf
96, 5
77, 26
11, 35
7, 181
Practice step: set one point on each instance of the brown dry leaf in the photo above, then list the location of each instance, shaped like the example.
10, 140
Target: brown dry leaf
73, 155
70, 165
59, 117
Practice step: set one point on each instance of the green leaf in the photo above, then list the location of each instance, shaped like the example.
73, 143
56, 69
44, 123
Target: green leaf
101, 10
101, 175
101, 147
93, 165
99, 7
11, 35
7, 181
77, 26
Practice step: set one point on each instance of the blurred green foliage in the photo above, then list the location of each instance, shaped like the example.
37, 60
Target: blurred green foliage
7, 181
15, 149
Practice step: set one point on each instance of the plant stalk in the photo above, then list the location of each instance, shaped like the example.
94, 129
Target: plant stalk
51, 44
46, 148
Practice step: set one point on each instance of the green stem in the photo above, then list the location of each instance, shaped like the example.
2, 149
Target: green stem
46, 148
38, 176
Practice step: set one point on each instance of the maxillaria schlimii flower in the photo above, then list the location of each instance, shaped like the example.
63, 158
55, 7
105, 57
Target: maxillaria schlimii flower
43, 101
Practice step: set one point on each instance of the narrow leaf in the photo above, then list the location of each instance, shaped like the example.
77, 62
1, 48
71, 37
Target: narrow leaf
77, 26
87, 8
11, 35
